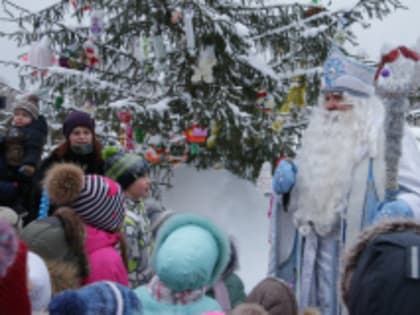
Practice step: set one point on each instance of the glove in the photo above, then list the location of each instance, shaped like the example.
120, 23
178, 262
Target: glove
27, 170
393, 209
284, 177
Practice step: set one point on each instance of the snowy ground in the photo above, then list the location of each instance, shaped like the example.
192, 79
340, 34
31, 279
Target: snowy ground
234, 204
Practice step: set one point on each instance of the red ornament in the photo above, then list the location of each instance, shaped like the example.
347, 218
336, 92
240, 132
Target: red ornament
196, 134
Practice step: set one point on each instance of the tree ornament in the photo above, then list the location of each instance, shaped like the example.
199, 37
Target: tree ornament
72, 58
177, 151
176, 16
155, 148
277, 124
204, 70
58, 102
91, 54
296, 95
96, 23
139, 135
194, 149
212, 139
84, 4
88, 106
196, 134
126, 135
189, 29
41, 56
265, 101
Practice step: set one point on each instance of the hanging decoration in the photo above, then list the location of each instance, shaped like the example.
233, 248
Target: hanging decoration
214, 131
126, 130
72, 57
139, 135
189, 29
159, 48
296, 95
58, 102
195, 136
277, 123
176, 16
155, 148
265, 101
91, 54
88, 106
84, 4
141, 48
204, 69
96, 23
40, 56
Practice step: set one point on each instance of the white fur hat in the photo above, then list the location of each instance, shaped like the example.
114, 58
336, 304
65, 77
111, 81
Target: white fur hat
344, 74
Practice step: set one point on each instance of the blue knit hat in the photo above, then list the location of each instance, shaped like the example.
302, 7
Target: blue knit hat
104, 298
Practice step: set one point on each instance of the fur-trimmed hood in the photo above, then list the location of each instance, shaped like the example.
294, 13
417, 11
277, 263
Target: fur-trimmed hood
385, 242
190, 252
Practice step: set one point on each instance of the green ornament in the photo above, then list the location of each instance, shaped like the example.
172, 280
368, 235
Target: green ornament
315, 1
59, 100
194, 148
139, 135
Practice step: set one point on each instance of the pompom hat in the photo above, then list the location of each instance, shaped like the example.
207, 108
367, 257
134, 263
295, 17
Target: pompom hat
105, 298
77, 119
98, 200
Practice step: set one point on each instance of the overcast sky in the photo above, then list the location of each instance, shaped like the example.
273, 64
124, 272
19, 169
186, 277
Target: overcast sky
397, 29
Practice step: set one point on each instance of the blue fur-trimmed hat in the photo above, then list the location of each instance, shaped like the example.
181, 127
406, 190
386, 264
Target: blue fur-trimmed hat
191, 252
345, 74
104, 298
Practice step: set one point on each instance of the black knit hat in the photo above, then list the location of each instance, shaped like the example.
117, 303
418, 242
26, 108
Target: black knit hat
77, 119
125, 168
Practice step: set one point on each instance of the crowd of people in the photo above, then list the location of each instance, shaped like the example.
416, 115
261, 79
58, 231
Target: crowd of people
79, 235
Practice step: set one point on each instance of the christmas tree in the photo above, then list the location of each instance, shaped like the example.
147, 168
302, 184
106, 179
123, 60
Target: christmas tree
208, 82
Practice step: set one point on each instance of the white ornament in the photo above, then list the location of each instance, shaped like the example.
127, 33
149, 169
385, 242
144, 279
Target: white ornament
204, 70
141, 48
159, 47
189, 30
96, 23
40, 54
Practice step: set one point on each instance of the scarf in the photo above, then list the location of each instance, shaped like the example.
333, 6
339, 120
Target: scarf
162, 293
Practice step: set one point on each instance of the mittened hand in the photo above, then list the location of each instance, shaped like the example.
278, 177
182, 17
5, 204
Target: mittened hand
284, 177
394, 209
27, 170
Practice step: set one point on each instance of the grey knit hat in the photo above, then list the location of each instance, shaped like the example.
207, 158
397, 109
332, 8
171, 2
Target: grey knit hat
29, 107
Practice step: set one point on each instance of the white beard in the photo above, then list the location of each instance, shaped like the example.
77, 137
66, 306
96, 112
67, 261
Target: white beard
333, 144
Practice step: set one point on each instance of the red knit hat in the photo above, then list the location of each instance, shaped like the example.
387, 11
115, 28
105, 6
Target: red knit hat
14, 294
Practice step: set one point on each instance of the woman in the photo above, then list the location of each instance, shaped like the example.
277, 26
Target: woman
80, 147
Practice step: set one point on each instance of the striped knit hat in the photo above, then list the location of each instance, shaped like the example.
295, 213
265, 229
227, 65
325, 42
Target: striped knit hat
29, 107
98, 200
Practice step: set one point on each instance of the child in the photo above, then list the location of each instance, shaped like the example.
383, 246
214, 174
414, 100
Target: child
132, 173
20, 151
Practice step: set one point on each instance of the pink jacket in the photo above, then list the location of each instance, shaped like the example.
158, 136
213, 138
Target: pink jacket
105, 261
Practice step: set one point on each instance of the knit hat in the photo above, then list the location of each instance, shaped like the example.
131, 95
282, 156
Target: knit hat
105, 298
275, 296
125, 168
9, 215
14, 297
77, 119
39, 283
98, 200
344, 74
382, 270
190, 252
28, 106
249, 309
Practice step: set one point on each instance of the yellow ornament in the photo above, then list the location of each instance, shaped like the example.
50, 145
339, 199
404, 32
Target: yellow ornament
212, 139
296, 95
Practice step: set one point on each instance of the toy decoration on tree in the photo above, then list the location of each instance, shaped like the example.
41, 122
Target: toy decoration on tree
155, 148
204, 70
296, 95
96, 23
91, 54
72, 57
265, 101
126, 130
195, 136
41, 56
176, 16
177, 151
141, 48
212, 139
77, 3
